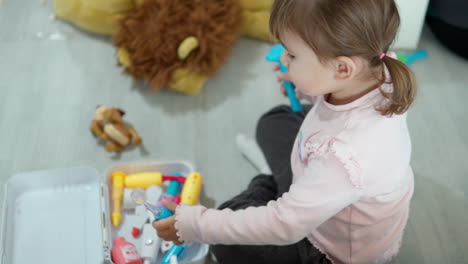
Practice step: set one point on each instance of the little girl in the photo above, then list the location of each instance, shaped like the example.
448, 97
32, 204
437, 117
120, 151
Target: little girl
342, 182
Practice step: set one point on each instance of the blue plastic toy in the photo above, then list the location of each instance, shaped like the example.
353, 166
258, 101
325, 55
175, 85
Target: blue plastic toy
176, 250
274, 55
170, 195
409, 59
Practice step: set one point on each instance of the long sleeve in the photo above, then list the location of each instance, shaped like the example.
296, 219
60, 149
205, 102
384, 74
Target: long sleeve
323, 190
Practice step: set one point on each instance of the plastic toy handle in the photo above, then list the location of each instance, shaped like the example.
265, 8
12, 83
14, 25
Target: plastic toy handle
170, 195
118, 179
165, 213
275, 56
191, 189
116, 218
295, 103
173, 188
143, 180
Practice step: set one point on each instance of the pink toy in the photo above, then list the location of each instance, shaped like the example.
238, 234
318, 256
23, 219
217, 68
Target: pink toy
125, 252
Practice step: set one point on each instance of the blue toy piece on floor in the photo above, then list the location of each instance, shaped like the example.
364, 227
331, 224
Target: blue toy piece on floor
409, 59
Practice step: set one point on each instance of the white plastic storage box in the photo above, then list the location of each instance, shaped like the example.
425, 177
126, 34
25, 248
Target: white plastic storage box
63, 216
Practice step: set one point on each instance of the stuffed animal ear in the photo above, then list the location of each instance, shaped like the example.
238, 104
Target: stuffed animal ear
100, 112
186, 47
122, 112
124, 57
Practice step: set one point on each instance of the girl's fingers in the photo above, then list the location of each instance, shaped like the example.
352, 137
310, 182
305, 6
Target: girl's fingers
169, 236
164, 234
280, 78
163, 224
160, 227
284, 77
170, 205
283, 90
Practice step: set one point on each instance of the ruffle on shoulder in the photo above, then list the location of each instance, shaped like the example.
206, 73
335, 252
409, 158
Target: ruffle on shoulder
316, 147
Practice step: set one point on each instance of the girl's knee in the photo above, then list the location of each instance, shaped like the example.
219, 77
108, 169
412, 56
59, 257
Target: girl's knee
269, 120
277, 117
277, 110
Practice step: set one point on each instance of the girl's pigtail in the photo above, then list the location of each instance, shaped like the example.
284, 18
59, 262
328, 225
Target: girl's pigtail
404, 87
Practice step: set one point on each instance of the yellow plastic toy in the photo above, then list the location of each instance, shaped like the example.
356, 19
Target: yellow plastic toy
192, 189
117, 196
143, 180
190, 192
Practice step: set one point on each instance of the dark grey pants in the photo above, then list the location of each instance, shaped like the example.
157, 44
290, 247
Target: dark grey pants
276, 132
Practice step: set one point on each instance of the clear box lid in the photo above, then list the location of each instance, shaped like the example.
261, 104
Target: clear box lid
54, 216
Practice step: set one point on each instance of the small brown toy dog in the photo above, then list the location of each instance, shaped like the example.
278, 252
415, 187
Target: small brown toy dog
109, 126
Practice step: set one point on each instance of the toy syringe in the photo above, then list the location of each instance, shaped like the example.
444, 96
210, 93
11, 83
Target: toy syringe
190, 195
139, 197
159, 212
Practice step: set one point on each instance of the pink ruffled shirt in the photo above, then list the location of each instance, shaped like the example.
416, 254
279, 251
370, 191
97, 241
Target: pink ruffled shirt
350, 194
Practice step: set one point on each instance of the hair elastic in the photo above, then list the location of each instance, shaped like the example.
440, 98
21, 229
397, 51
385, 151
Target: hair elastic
382, 55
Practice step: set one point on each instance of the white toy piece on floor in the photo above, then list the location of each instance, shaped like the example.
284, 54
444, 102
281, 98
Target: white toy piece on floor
249, 148
150, 244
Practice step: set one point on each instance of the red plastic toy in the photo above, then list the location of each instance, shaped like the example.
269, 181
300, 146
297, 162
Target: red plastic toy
125, 252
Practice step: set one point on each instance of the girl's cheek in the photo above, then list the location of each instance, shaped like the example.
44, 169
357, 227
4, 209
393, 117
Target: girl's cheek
301, 89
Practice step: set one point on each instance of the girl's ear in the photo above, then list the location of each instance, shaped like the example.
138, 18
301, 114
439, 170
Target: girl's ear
345, 68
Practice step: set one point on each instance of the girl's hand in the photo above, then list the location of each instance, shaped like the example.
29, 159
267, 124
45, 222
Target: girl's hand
165, 228
282, 77
285, 77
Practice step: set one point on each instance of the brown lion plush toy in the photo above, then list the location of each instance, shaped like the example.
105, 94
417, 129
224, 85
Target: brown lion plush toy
176, 44
109, 126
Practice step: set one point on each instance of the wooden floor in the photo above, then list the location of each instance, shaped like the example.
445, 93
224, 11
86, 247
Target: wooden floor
52, 76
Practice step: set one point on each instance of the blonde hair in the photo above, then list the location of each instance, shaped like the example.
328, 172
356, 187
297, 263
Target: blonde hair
362, 28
